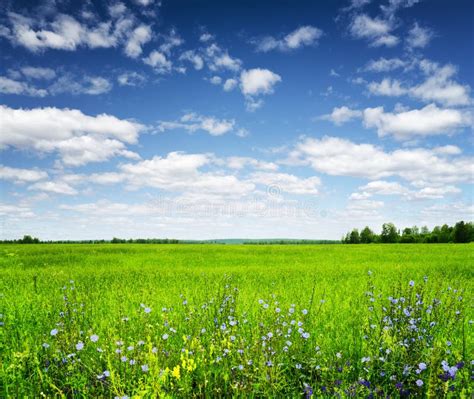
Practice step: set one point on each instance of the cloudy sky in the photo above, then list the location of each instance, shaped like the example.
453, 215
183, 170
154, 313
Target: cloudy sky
217, 119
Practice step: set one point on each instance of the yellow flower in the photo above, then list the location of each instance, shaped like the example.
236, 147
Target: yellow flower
176, 374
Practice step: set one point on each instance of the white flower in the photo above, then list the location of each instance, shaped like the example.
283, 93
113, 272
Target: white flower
305, 311
80, 346
165, 336
54, 332
145, 368
147, 310
94, 338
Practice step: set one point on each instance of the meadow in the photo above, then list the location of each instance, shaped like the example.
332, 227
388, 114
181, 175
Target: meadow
131, 320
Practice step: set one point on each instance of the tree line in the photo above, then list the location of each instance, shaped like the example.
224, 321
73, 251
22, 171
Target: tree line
461, 232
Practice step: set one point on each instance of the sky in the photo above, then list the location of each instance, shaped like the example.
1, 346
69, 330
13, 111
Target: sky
203, 119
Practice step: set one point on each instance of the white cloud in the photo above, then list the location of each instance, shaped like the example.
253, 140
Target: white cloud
139, 36
216, 80
258, 81
418, 37
194, 58
284, 182
10, 86
385, 65
181, 172
377, 31
382, 187
302, 36
426, 121
56, 187
38, 72
341, 157
18, 175
92, 85
78, 138
242, 162
225, 61
205, 37
192, 122
342, 115
170, 41
230, 84
387, 87
438, 86
144, 2
131, 79
158, 62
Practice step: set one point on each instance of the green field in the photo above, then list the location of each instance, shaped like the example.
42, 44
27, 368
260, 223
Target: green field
236, 320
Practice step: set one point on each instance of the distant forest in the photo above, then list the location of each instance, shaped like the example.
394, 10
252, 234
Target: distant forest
460, 233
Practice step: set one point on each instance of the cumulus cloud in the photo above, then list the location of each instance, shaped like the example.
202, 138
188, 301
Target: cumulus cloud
158, 62
386, 188
76, 137
193, 58
288, 183
242, 162
230, 84
302, 36
341, 157
342, 115
418, 36
193, 122
38, 72
139, 36
18, 175
438, 86
11, 86
376, 31
92, 85
385, 65
131, 79
258, 81
55, 187
426, 121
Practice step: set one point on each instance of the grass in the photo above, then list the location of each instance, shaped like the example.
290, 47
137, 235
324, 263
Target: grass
215, 320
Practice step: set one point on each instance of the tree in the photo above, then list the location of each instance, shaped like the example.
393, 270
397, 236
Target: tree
461, 232
389, 233
354, 237
407, 236
367, 235
27, 239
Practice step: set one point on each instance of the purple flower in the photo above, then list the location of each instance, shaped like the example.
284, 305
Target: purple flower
419, 383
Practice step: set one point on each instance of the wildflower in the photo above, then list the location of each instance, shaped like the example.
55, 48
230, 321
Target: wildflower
241, 367
305, 335
80, 346
298, 366
176, 372
338, 355
265, 306
365, 359
419, 383
45, 345
422, 366
291, 310
269, 363
203, 330
147, 310
54, 332
94, 338
232, 338
305, 311
165, 336
106, 373
412, 284
140, 343
145, 368
278, 310
123, 359
130, 348
132, 362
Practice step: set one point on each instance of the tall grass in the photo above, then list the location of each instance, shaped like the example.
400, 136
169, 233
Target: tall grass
244, 321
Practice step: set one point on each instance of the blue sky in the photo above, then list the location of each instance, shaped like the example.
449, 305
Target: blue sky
200, 119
